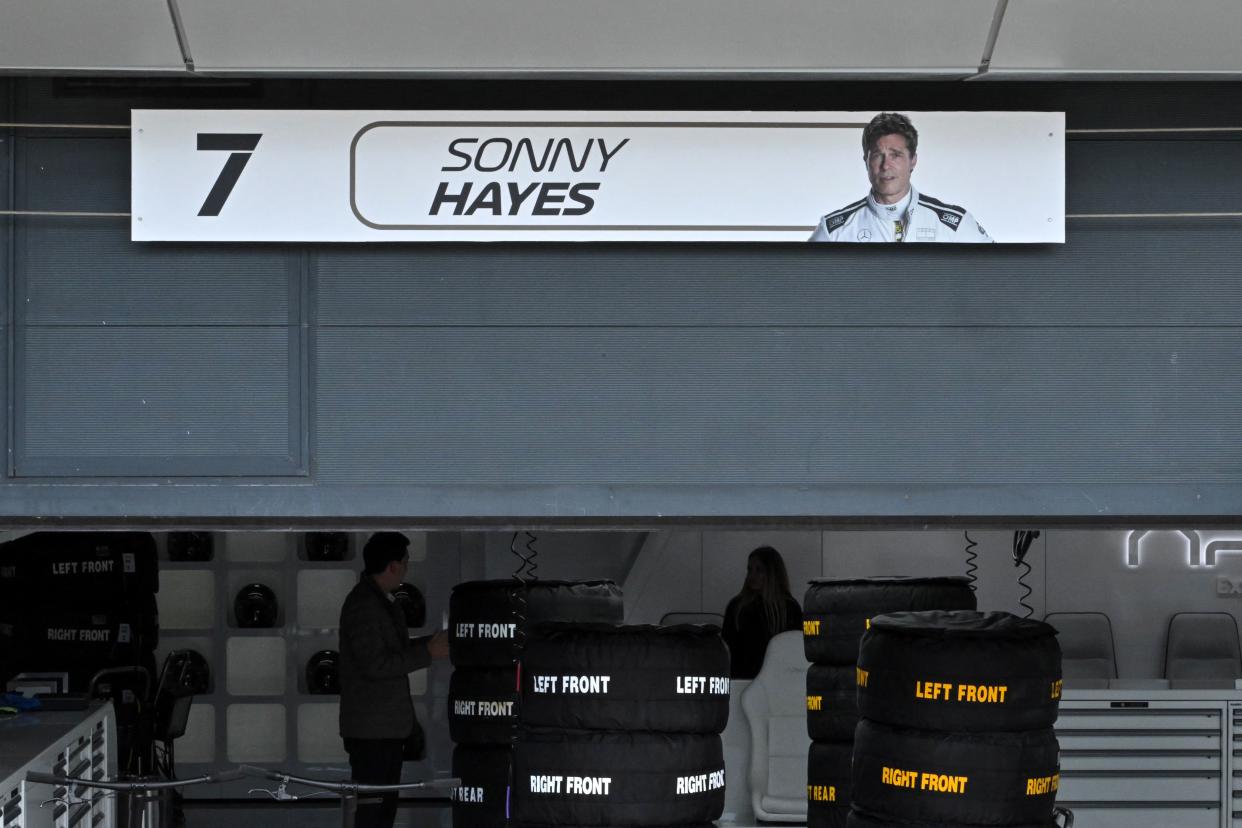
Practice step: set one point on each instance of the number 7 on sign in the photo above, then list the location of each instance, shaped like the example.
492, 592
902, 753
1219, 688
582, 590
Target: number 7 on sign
241, 147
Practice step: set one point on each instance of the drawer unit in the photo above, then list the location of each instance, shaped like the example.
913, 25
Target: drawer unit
1151, 758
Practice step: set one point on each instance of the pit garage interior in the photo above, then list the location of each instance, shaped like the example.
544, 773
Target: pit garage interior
646, 413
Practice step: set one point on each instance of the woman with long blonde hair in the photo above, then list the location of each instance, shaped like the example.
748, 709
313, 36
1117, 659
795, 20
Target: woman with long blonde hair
763, 608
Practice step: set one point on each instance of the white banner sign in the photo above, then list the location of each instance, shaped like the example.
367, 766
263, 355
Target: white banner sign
373, 176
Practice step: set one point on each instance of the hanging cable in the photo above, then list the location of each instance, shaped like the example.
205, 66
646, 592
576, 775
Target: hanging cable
971, 561
1021, 545
523, 575
526, 554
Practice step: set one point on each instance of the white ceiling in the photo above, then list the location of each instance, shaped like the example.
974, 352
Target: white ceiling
111, 35
588, 35
674, 38
1119, 37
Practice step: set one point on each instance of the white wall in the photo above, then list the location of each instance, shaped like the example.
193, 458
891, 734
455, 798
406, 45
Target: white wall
563, 555
701, 571
1071, 571
1088, 572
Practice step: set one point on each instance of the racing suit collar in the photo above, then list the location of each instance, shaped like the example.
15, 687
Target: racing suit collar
903, 208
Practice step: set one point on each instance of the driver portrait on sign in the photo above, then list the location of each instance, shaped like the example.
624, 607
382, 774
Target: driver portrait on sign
893, 211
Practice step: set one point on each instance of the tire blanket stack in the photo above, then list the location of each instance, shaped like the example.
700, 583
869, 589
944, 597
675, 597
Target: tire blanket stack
596, 724
956, 722
621, 726
489, 627
78, 602
836, 613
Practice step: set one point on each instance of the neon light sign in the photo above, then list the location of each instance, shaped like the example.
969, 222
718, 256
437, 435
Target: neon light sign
1197, 555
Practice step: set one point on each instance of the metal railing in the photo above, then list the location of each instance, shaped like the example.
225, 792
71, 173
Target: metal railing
348, 791
148, 799
149, 802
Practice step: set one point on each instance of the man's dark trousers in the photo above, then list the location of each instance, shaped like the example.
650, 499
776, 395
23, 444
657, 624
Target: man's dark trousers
375, 762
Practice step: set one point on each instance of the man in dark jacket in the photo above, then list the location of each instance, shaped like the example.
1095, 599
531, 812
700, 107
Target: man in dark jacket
377, 714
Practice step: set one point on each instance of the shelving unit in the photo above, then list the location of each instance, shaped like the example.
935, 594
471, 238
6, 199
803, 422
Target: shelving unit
259, 710
66, 743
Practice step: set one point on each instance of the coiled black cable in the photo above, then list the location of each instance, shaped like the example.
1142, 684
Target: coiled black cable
971, 561
522, 576
1021, 544
527, 554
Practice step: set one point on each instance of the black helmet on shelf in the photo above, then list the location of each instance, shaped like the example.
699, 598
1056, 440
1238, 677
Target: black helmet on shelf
412, 603
327, 546
323, 673
187, 673
190, 546
256, 606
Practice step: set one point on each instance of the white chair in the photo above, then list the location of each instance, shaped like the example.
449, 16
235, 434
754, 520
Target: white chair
775, 708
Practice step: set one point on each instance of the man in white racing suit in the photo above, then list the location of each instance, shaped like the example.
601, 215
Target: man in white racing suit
894, 211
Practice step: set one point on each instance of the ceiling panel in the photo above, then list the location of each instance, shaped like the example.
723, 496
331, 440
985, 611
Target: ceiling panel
1123, 37
589, 36
74, 35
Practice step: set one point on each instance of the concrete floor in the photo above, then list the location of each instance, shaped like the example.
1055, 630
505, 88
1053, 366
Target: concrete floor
304, 815
322, 815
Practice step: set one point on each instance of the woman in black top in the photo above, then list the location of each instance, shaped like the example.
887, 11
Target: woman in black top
762, 609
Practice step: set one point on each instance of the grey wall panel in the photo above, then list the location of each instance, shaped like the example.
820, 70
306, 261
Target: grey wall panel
1185, 274
5, 434
882, 407
6, 263
192, 504
87, 272
75, 172
191, 401
1153, 176
141, 360
1092, 381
